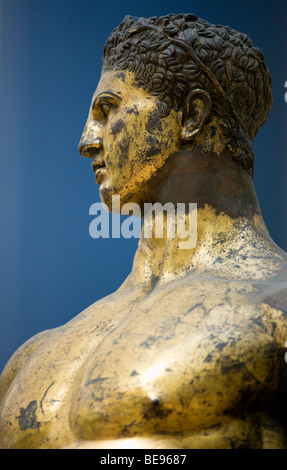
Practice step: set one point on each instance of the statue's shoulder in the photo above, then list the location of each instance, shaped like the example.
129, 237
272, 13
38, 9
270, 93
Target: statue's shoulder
19, 358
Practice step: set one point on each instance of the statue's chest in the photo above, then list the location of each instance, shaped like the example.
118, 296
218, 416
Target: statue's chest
171, 372
171, 365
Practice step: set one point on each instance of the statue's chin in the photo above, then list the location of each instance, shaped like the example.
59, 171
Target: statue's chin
106, 198
120, 202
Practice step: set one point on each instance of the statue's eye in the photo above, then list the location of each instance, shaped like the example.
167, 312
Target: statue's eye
104, 103
105, 108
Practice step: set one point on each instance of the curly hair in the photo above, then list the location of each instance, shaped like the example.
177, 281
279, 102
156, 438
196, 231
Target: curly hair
172, 55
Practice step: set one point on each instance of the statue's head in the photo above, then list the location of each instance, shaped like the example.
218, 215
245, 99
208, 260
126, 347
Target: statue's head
169, 83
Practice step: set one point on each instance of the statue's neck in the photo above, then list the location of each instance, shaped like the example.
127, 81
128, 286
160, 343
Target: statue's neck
214, 245
228, 220
211, 179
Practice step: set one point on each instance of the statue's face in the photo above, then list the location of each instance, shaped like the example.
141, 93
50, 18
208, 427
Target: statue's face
127, 157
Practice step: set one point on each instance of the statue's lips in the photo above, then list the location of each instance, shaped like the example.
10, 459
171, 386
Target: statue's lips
99, 168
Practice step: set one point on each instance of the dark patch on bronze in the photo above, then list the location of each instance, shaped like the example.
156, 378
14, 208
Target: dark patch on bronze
212, 131
134, 372
151, 153
121, 75
154, 410
208, 358
27, 418
117, 126
125, 432
226, 369
124, 146
133, 110
221, 346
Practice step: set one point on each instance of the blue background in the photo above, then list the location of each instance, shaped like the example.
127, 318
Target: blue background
50, 268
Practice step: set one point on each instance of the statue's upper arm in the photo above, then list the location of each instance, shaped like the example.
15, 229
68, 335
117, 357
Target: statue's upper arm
18, 359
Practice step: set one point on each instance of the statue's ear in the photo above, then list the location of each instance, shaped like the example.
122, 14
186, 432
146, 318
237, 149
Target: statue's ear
196, 110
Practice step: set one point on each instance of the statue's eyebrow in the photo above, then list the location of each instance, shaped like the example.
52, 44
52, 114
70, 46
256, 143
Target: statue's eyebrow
108, 95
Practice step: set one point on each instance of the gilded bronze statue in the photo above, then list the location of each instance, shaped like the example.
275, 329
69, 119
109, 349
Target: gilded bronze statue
189, 351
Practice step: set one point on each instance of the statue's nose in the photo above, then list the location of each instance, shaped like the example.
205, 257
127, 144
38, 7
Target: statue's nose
90, 143
90, 149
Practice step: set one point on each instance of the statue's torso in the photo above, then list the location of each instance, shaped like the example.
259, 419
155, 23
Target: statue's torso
192, 360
